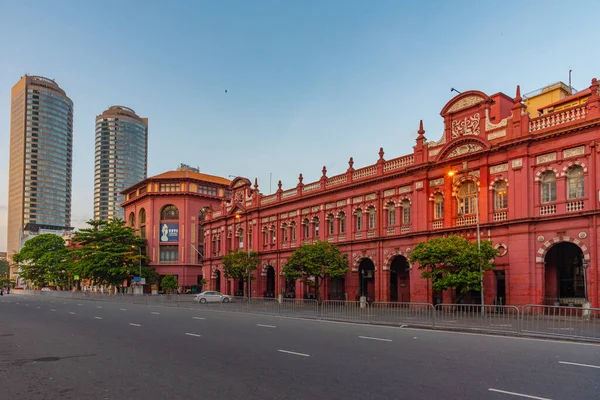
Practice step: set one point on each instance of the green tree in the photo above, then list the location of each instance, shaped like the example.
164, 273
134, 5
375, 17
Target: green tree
454, 262
4, 269
169, 283
109, 253
240, 265
312, 263
43, 260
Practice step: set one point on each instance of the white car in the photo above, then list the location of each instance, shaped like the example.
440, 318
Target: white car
212, 297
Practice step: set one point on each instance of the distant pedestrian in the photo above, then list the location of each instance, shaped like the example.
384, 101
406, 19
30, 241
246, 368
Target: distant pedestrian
1, 292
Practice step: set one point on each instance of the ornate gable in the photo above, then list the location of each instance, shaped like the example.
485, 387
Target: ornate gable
464, 119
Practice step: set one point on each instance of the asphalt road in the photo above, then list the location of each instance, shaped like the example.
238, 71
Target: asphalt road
78, 349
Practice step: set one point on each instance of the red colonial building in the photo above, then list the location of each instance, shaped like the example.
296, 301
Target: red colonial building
525, 168
167, 210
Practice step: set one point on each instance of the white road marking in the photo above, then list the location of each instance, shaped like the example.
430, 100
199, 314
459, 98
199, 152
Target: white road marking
403, 326
518, 394
77, 304
17, 303
374, 338
198, 318
266, 326
294, 353
98, 306
579, 365
155, 313
53, 309
39, 307
562, 329
71, 312
123, 309
134, 324
193, 334
98, 317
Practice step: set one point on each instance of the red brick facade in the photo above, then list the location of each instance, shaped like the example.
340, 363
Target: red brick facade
530, 180
174, 198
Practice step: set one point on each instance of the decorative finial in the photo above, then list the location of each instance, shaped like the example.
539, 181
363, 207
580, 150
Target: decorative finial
594, 86
421, 131
300, 178
324, 170
279, 184
518, 98
255, 183
381, 153
350, 162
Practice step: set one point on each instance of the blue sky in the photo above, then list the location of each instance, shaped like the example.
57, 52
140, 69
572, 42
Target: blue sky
309, 83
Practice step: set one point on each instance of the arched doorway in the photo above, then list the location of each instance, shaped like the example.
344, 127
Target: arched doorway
218, 280
564, 275
400, 279
270, 289
366, 279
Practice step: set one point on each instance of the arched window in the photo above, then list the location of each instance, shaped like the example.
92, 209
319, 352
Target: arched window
306, 228
214, 245
342, 222
467, 198
371, 212
391, 213
575, 185
500, 195
548, 187
316, 227
284, 233
273, 234
358, 215
265, 234
169, 212
405, 211
240, 235
330, 224
142, 217
438, 206
131, 219
293, 230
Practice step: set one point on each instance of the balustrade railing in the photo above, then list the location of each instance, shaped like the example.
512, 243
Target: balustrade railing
548, 210
500, 216
573, 206
398, 163
468, 220
557, 118
363, 172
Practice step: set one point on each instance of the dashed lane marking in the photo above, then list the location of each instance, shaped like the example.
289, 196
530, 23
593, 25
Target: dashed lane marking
71, 312
155, 313
527, 396
294, 353
579, 365
134, 324
193, 334
198, 318
375, 338
266, 326
98, 317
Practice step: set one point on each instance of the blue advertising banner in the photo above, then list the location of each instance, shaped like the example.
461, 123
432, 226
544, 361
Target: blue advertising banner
169, 232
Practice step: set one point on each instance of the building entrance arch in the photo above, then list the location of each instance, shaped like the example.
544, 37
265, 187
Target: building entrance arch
565, 275
399, 279
366, 279
218, 280
270, 288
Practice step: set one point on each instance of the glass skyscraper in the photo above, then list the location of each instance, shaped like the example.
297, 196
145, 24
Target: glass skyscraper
121, 158
41, 153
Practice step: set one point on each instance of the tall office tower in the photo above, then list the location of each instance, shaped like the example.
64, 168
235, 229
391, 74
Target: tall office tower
121, 158
41, 153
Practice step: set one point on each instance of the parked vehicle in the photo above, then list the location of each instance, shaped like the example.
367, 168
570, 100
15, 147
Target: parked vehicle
212, 297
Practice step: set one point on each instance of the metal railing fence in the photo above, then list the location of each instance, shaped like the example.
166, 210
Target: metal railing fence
566, 322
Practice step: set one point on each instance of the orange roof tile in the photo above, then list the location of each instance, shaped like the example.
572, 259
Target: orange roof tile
192, 175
